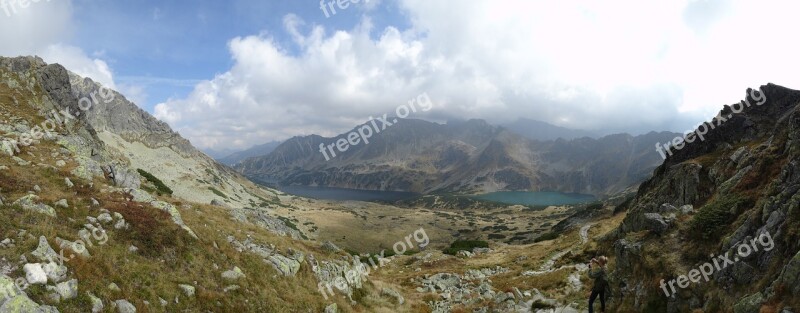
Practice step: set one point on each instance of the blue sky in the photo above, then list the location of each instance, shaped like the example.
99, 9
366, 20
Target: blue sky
232, 74
166, 47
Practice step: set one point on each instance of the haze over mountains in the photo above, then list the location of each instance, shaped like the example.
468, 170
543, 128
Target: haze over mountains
233, 157
470, 157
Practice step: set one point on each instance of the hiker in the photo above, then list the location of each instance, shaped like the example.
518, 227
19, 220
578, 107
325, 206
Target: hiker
597, 270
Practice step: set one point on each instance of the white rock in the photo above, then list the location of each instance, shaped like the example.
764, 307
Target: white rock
55, 273
97, 304
62, 204
35, 274
105, 218
68, 290
234, 274
123, 306
188, 290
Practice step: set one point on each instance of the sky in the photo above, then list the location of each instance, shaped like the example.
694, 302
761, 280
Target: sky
231, 74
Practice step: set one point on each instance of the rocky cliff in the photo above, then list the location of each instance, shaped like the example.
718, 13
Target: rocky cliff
714, 199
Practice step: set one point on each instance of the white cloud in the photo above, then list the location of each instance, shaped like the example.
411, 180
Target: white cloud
43, 28
75, 60
619, 64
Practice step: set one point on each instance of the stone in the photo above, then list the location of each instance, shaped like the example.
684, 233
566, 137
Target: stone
8, 289
61, 163
44, 252
62, 204
234, 274
140, 195
114, 287
120, 224
55, 273
34, 274
188, 290
7, 148
330, 247
216, 202
655, 222
284, 265
393, 294
30, 203
176, 215
79, 248
123, 306
19, 303
68, 182
133, 249
20, 162
333, 308
97, 303
68, 290
749, 304
105, 218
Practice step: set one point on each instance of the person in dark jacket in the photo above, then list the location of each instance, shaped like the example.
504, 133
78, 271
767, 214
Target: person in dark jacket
597, 270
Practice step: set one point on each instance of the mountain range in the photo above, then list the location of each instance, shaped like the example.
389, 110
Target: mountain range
466, 157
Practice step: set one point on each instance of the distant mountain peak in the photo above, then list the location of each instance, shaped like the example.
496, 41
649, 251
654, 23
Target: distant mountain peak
539, 130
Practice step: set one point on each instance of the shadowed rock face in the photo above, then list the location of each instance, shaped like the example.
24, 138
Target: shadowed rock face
752, 157
473, 156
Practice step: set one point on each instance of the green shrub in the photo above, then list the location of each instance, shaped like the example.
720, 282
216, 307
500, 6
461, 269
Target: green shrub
465, 245
160, 187
497, 236
624, 206
595, 206
539, 304
713, 217
546, 236
218, 193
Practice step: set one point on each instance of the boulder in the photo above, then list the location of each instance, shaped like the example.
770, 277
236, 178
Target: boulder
393, 294
330, 247
655, 223
332, 308
68, 290
284, 265
97, 303
123, 306
105, 218
188, 290
35, 274
44, 252
175, 214
30, 203
62, 204
55, 273
749, 304
234, 274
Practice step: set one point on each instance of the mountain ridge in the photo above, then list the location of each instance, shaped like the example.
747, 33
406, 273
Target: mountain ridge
471, 156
